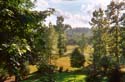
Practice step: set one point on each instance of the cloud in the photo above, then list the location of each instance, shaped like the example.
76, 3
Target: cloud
76, 13
42, 2
75, 20
89, 6
41, 5
68, 15
56, 1
84, 16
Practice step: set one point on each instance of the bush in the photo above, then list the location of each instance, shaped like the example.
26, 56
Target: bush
77, 59
47, 72
49, 78
94, 77
3, 74
24, 70
46, 69
115, 75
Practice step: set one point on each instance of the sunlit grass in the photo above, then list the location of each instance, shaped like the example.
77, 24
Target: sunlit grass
60, 77
70, 77
32, 68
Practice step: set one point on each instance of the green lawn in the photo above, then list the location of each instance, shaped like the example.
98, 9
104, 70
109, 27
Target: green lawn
70, 77
60, 77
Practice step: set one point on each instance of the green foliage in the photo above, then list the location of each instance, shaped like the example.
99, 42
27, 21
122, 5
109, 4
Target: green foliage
47, 72
19, 25
3, 74
60, 29
114, 16
60, 77
77, 59
100, 36
107, 33
82, 42
46, 69
108, 39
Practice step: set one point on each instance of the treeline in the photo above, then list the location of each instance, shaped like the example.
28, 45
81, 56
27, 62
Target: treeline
25, 39
74, 35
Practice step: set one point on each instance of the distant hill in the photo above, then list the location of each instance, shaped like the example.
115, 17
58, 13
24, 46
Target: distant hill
74, 34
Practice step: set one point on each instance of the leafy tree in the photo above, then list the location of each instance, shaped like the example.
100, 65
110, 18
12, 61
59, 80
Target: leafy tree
46, 48
46, 44
77, 59
53, 42
18, 27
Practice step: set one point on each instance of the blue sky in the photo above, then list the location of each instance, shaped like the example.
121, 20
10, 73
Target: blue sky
77, 13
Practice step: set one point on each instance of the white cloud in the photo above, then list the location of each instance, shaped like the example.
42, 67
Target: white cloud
56, 1
75, 20
118, 0
39, 3
79, 17
89, 6
68, 15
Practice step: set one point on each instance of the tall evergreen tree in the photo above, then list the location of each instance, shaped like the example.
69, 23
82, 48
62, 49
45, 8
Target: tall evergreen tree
113, 13
100, 38
60, 28
77, 59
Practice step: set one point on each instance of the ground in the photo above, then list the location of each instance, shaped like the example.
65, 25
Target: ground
60, 77
72, 75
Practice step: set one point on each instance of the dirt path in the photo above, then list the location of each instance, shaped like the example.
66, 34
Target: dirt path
10, 79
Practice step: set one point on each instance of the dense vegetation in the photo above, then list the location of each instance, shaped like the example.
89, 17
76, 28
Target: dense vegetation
27, 40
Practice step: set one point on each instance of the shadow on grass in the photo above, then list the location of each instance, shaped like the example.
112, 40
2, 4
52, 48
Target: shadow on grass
70, 77
60, 77
34, 77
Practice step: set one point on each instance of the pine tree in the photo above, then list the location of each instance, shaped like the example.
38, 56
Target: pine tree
100, 37
113, 13
60, 29
77, 59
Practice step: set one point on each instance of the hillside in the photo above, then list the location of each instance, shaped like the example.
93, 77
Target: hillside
74, 34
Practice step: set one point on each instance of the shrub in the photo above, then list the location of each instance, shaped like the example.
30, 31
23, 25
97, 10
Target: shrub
47, 72
3, 74
46, 69
24, 70
77, 59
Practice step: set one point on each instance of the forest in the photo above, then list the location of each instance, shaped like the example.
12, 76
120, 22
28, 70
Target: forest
32, 51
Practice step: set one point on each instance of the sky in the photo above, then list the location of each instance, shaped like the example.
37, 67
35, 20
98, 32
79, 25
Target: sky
77, 13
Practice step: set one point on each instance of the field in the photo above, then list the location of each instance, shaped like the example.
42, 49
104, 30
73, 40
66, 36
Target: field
60, 77
64, 62
70, 76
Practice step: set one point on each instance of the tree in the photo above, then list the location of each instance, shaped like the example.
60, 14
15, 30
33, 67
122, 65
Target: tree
82, 42
100, 36
123, 40
77, 59
108, 37
17, 30
114, 15
60, 29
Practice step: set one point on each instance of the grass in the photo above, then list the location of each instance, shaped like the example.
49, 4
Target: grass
32, 68
70, 77
60, 77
